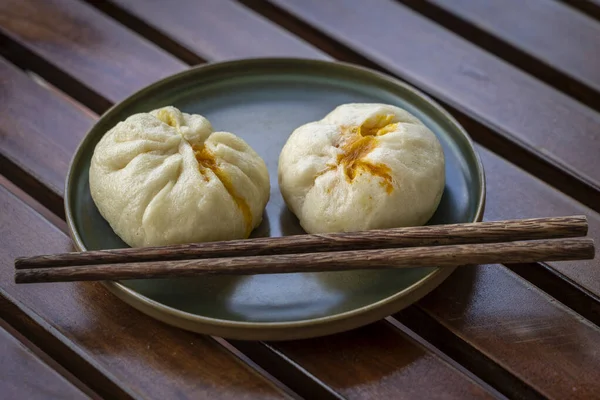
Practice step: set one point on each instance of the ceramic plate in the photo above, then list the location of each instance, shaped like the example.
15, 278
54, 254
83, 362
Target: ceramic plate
263, 101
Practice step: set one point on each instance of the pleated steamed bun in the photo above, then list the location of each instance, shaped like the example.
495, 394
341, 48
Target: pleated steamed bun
165, 177
363, 166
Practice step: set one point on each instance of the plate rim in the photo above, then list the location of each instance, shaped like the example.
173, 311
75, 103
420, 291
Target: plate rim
285, 330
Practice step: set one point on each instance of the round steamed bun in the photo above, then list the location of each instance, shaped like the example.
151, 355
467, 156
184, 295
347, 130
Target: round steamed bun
363, 166
165, 177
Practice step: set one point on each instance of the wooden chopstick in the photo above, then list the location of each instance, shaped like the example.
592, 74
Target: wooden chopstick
470, 233
439, 256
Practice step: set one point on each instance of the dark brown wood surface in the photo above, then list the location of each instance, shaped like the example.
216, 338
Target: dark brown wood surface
551, 31
515, 194
39, 132
23, 375
496, 328
527, 45
523, 330
510, 102
219, 30
383, 364
589, 7
91, 47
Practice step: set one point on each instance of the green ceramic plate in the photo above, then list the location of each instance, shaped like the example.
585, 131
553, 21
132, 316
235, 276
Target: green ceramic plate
263, 101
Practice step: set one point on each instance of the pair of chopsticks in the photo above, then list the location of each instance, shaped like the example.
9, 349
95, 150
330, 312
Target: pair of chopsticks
512, 241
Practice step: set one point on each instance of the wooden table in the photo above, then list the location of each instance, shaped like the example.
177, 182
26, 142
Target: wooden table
522, 76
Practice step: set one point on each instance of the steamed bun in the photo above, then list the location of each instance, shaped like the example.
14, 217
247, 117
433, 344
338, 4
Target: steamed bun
165, 177
363, 166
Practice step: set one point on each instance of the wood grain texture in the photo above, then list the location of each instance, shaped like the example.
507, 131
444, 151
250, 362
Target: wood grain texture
490, 309
150, 359
379, 361
525, 331
42, 335
511, 193
219, 30
33, 203
413, 236
86, 44
410, 257
589, 7
491, 91
24, 376
39, 130
549, 30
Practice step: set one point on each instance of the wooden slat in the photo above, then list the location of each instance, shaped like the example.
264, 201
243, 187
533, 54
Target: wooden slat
445, 373
589, 7
33, 203
514, 324
90, 46
526, 332
491, 91
218, 30
525, 39
377, 361
149, 359
24, 376
561, 37
29, 112
514, 194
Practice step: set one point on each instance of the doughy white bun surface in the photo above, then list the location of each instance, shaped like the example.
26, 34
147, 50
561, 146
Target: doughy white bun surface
363, 166
165, 177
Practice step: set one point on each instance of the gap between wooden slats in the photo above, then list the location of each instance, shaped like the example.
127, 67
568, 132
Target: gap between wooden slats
41, 335
25, 59
589, 7
27, 372
422, 327
544, 38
